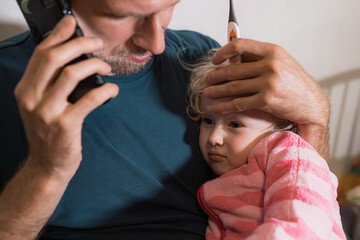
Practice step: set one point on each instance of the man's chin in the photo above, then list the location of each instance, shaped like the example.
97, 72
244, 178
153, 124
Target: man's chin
122, 66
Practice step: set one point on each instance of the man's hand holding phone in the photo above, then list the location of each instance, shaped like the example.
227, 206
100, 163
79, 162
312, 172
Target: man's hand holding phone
53, 128
52, 124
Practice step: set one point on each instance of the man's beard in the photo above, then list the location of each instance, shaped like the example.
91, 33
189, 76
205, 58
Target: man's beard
120, 65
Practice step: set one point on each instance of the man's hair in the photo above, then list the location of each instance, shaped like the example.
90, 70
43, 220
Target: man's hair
199, 73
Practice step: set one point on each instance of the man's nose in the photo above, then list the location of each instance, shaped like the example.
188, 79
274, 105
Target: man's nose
216, 136
149, 34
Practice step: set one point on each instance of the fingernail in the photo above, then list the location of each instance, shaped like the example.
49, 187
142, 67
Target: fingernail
207, 78
65, 20
206, 92
213, 60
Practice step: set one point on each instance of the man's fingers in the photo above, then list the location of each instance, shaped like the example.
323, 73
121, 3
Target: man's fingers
63, 30
46, 65
233, 88
72, 49
241, 46
54, 52
28, 85
56, 58
70, 77
236, 72
92, 100
237, 105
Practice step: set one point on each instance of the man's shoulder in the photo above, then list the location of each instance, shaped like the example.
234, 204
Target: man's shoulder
14, 40
20, 44
15, 53
192, 38
188, 45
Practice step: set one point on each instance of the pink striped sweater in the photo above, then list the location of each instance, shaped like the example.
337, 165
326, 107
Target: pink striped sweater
285, 191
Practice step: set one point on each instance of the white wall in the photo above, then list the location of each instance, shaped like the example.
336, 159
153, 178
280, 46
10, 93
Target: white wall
323, 35
11, 19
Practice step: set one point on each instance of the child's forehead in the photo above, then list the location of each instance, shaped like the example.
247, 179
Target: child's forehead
247, 114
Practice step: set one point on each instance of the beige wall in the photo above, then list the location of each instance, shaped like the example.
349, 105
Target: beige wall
323, 35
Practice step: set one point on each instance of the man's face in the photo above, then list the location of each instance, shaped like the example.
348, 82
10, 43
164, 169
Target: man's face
132, 30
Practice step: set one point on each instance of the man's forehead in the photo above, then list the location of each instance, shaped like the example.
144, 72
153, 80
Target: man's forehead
131, 6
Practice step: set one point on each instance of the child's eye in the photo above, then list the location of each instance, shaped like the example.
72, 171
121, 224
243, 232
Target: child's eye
206, 121
235, 125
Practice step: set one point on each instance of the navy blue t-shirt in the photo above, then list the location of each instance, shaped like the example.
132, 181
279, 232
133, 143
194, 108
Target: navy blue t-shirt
141, 163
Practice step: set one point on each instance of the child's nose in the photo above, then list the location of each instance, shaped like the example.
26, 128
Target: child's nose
216, 137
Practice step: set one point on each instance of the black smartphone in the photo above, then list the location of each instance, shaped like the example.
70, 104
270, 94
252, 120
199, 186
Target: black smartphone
42, 16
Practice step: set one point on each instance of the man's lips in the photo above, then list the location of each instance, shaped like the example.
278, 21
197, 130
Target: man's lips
216, 156
139, 59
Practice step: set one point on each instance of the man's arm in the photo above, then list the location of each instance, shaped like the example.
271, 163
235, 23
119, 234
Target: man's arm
28, 201
271, 80
318, 137
53, 128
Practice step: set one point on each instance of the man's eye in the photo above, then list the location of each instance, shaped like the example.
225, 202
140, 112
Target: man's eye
235, 125
206, 121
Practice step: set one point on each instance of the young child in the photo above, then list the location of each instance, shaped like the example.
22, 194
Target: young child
271, 183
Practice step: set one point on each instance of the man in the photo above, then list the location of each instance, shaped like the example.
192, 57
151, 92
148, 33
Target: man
128, 169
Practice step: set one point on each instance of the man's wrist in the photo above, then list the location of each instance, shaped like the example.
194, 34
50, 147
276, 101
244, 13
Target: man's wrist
317, 136
49, 172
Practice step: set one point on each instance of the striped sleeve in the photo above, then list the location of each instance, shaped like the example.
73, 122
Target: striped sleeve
300, 191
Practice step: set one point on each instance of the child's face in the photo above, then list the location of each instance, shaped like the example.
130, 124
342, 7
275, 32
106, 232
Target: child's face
227, 140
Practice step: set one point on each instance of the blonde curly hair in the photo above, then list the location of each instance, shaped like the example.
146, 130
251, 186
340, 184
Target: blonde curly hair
198, 83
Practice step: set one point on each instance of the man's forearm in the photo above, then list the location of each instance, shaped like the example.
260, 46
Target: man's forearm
317, 132
318, 137
28, 201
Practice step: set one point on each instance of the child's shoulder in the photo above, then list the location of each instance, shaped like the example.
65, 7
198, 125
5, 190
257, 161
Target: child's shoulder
283, 139
283, 146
